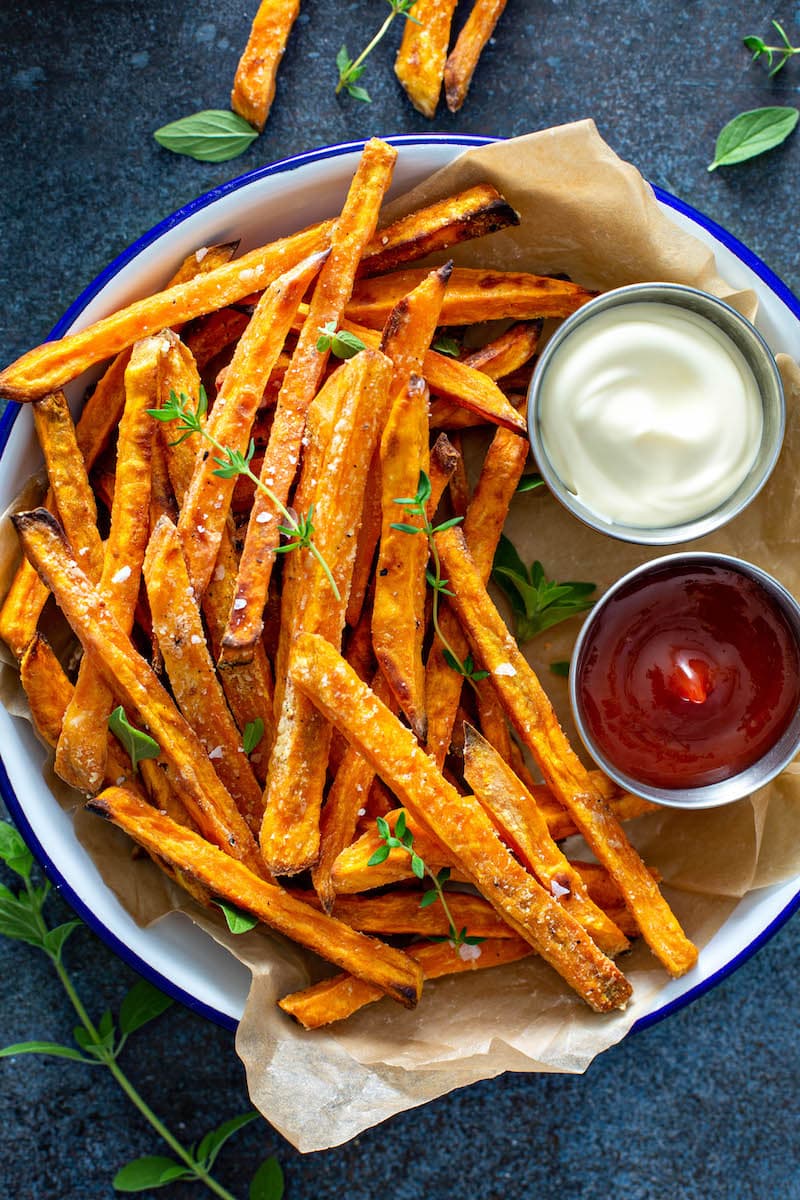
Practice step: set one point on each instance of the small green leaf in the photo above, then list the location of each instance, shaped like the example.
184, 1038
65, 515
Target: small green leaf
560, 667
449, 524
213, 1142
529, 483
359, 93
380, 855
343, 343
443, 876
342, 60
267, 1183
400, 826
52, 1048
238, 921
19, 921
143, 1003
13, 851
447, 345
382, 825
428, 898
55, 938
213, 135
753, 133
401, 528
253, 733
138, 744
451, 660
424, 489
152, 1171
417, 866
469, 940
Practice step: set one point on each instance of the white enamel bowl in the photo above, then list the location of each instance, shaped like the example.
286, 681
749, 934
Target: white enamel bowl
266, 203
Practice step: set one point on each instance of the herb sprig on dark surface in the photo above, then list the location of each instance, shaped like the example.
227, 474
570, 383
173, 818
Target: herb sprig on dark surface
537, 603
784, 51
351, 69
100, 1043
416, 507
753, 133
214, 135
298, 528
403, 839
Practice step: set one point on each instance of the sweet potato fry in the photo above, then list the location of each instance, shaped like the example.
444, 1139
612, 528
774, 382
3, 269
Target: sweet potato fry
399, 913
537, 725
296, 777
194, 683
398, 612
224, 877
502, 470
352, 233
458, 821
334, 999
474, 213
212, 334
463, 58
133, 682
508, 352
420, 60
254, 81
81, 751
206, 505
472, 295
49, 366
69, 481
520, 824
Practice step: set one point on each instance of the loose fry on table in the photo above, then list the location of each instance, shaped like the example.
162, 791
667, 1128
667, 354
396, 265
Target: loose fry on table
497, 483
463, 58
458, 821
398, 611
296, 777
420, 60
254, 81
520, 824
205, 507
352, 232
81, 750
474, 213
537, 725
226, 878
133, 682
193, 680
472, 295
334, 999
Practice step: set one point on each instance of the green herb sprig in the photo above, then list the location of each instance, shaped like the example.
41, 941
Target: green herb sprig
784, 52
416, 507
351, 69
138, 744
102, 1042
339, 341
753, 133
403, 839
252, 735
537, 603
298, 529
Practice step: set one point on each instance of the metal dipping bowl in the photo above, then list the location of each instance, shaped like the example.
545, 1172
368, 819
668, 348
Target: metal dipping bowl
710, 795
758, 356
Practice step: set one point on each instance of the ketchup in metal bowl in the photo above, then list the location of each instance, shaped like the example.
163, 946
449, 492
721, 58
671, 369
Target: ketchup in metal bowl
689, 674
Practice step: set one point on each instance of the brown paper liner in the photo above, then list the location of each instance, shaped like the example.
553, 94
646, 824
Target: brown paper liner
589, 215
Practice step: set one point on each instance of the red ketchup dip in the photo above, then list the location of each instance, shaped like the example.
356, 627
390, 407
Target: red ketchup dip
689, 674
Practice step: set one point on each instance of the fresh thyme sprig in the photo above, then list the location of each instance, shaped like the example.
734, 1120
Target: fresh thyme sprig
403, 839
759, 48
101, 1043
415, 506
298, 529
351, 69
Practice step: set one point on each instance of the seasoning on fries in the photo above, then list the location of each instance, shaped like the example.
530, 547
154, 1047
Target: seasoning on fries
318, 710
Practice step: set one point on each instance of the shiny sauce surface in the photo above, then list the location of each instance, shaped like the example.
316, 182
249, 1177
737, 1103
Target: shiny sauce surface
689, 676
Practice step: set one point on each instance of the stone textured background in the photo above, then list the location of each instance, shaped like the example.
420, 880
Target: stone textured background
702, 1105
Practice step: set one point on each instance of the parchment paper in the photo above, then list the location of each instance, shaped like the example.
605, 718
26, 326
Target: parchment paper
590, 215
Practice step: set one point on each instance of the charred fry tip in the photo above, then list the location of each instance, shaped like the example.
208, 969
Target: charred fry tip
99, 807
446, 270
23, 521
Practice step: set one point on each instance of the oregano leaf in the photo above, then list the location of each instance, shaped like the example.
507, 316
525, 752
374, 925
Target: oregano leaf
144, 1002
213, 135
238, 920
752, 133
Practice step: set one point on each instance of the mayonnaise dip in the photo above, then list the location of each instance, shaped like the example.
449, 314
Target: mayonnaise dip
650, 414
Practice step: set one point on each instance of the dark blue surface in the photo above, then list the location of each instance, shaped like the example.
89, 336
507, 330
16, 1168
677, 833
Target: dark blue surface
705, 1103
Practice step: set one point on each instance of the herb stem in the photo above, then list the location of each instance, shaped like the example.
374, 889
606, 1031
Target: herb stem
345, 75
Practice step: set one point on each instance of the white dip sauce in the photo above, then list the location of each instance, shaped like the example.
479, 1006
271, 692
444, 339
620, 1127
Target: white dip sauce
650, 414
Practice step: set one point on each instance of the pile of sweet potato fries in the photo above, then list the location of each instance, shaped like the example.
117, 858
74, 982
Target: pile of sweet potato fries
293, 565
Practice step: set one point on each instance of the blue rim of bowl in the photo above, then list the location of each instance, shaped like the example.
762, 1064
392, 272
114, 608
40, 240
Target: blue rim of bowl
9, 416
